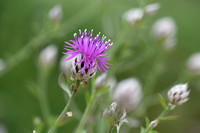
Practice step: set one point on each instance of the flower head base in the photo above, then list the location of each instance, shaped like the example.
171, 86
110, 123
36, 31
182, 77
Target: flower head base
178, 94
77, 69
89, 52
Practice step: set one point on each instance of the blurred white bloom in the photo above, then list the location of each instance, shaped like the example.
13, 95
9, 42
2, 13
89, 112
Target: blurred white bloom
2, 65
48, 56
66, 66
133, 16
170, 42
128, 94
112, 82
55, 13
100, 81
165, 29
34, 131
178, 94
151, 9
193, 63
3, 129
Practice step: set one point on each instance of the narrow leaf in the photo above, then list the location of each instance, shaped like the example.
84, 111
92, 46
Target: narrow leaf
147, 122
62, 81
162, 101
174, 117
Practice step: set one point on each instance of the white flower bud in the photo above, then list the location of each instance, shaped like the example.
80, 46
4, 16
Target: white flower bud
77, 69
153, 124
66, 66
133, 15
2, 65
151, 9
193, 63
48, 56
128, 94
164, 28
178, 94
101, 81
55, 13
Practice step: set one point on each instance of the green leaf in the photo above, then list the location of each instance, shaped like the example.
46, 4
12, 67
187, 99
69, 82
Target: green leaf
153, 131
174, 117
162, 101
147, 122
62, 81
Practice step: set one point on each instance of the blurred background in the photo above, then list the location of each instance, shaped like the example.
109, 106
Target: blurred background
26, 27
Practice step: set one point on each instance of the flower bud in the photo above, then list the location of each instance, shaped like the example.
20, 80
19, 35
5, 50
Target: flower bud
79, 70
128, 94
178, 94
193, 63
55, 14
164, 28
66, 66
101, 81
133, 16
2, 65
153, 124
151, 9
34, 131
48, 56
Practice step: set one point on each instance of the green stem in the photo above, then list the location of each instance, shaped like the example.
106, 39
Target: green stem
160, 117
111, 129
61, 116
87, 110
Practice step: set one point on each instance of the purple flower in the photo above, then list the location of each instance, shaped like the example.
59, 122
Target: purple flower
92, 51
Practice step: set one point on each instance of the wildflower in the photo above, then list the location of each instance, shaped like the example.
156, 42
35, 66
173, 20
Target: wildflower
48, 56
66, 66
128, 94
88, 54
193, 63
178, 94
101, 81
55, 13
165, 30
151, 9
2, 65
34, 131
133, 16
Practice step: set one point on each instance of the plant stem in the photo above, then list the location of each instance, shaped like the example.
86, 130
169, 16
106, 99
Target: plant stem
110, 129
87, 110
160, 117
61, 116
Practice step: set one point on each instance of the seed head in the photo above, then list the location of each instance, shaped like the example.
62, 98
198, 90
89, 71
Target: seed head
178, 94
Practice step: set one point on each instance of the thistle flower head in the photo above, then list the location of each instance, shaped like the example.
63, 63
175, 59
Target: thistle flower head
88, 53
151, 9
178, 94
